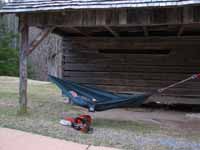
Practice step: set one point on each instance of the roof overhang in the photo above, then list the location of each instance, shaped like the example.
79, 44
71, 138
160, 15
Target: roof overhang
60, 5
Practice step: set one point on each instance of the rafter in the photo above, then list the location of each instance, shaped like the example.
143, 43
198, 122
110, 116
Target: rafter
41, 36
181, 30
115, 34
78, 31
146, 33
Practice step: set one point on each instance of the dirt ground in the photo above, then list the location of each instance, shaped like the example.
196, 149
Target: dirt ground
189, 122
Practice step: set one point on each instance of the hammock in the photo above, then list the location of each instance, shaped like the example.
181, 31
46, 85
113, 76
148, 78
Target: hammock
95, 99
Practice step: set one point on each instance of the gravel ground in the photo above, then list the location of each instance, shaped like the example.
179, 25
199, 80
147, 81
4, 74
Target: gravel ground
46, 108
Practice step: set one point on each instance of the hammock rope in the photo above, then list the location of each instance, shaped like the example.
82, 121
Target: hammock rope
161, 90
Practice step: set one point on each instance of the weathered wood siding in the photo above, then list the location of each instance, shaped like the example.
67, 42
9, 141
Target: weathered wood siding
117, 17
47, 57
83, 62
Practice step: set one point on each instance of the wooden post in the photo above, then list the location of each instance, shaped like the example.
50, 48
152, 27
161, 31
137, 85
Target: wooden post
24, 30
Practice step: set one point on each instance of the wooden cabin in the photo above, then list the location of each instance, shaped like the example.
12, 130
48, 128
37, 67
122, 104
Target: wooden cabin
121, 45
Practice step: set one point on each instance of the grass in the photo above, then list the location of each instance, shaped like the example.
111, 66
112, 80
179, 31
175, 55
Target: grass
126, 125
46, 108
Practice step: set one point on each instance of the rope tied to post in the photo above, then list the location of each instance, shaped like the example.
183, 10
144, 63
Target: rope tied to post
193, 77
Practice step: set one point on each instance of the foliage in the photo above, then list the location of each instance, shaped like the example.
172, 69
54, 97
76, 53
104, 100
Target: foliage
8, 55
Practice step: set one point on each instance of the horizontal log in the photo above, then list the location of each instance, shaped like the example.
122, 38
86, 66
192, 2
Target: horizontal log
130, 42
171, 92
136, 61
175, 57
138, 83
128, 75
148, 39
129, 68
126, 43
128, 89
97, 55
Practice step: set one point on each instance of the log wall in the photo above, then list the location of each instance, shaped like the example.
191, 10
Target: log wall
126, 64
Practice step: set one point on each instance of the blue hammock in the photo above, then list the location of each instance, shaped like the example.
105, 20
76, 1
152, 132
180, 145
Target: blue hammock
95, 99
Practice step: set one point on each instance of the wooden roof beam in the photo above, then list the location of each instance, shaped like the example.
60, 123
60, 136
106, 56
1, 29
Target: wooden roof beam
181, 30
36, 42
146, 33
78, 31
115, 34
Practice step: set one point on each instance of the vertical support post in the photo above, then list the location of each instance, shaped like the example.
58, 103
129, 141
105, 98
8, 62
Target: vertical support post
24, 30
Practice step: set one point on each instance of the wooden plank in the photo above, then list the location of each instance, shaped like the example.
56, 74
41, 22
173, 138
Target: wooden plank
187, 14
129, 75
116, 17
159, 16
42, 35
100, 17
181, 29
88, 17
196, 16
130, 68
96, 43
162, 61
132, 82
78, 31
137, 17
146, 33
115, 34
122, 16
141, 39
23, 64
136, 60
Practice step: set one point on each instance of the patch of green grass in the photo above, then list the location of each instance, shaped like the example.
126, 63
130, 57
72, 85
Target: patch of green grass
44, 99
7, 111
8, 95
125, 125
